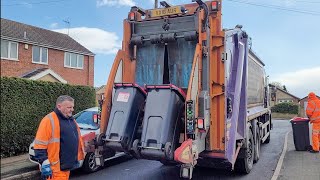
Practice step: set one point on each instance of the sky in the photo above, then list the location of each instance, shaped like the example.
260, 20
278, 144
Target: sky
285, 33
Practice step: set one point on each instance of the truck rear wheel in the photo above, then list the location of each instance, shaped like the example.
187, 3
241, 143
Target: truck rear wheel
245, 164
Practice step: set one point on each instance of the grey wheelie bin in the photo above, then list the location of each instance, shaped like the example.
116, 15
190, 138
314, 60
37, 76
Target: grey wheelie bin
127, 109
161, 123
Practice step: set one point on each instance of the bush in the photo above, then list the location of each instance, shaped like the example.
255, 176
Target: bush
25, 102
285, 108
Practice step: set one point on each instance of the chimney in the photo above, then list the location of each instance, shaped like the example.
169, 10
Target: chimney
25, 35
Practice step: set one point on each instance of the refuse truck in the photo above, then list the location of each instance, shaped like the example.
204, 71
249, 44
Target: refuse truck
184, 91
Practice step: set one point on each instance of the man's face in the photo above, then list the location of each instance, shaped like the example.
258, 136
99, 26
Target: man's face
66, 108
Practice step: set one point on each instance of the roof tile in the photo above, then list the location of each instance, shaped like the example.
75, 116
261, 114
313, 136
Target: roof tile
40, 36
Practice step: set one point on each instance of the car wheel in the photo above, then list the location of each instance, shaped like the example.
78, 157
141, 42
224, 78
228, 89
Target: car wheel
89, 164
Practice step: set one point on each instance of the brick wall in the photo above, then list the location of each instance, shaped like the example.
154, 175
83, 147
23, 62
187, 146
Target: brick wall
83, 76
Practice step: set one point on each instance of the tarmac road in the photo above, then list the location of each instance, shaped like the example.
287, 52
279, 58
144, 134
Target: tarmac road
125, 168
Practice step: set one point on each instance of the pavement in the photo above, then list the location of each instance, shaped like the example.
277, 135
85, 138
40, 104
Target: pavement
293, 165
19, 167
299, 165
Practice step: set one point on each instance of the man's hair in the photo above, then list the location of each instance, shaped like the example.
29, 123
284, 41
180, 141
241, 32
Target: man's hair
63, 98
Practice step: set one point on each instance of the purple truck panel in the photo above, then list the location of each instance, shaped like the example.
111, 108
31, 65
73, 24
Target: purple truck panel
236, 90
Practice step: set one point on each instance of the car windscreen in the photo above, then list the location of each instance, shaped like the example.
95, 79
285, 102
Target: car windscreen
85, 120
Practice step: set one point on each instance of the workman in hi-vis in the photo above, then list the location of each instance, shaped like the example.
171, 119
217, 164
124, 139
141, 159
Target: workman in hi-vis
313, 113
58, 145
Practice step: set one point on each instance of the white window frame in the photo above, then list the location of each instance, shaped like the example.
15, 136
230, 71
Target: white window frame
69, 65
9, 49
45, 63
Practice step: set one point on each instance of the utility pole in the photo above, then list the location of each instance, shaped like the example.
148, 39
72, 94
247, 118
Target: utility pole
68, 23
155, 4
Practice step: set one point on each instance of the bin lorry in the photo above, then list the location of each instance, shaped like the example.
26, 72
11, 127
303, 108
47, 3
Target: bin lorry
183, 90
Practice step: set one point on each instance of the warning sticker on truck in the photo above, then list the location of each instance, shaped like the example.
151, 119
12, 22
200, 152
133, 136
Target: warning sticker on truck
123, 97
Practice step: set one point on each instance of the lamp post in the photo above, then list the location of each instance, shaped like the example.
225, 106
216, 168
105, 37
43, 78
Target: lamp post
155, 4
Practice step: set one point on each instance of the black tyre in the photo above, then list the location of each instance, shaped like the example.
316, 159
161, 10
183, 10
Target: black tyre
135, 149
168, 151
245, 164
89, 164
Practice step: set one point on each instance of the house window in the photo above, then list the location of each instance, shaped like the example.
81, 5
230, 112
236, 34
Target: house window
9, 50
39, 55
72, 60
285, 101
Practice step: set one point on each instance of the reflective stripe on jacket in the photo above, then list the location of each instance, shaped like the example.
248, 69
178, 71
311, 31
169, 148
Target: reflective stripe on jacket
313, 110
48, 137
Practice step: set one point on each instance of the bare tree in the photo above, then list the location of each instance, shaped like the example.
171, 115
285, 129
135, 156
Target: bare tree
279, 86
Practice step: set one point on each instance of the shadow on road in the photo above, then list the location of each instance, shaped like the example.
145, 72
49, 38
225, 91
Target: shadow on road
112, 162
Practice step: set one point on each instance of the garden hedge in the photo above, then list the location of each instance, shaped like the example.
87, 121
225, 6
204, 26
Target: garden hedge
25, 102
289, 108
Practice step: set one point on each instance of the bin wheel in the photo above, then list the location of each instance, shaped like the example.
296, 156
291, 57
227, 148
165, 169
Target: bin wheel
168, 151
100, 139
135, 149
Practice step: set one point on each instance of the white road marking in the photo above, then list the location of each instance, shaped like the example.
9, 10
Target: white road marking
279, 165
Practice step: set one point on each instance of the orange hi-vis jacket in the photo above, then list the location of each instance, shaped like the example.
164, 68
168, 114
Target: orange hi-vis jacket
313, 108
48, 137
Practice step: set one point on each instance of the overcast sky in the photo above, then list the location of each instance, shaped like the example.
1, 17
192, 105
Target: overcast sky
285, 33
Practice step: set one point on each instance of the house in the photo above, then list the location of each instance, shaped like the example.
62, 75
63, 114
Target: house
279, 95
100, 92
39, 54
303, 106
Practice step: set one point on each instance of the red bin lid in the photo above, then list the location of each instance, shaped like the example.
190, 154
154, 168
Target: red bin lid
298, 119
